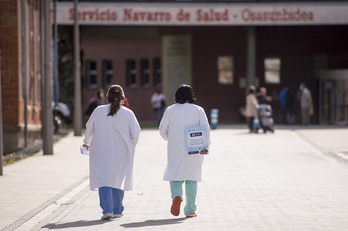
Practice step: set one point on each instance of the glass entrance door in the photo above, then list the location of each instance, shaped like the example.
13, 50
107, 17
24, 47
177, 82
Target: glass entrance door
327, 95
333, 99
341, 106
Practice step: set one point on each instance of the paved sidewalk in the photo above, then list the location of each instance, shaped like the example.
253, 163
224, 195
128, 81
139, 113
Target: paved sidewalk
32, 184
332, 141
282, 181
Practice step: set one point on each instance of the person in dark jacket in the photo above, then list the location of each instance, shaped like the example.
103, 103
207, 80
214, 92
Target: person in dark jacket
262, 97
290, 106
95, 101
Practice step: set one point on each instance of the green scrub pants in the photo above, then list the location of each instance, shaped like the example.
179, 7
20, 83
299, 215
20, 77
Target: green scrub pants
190, 191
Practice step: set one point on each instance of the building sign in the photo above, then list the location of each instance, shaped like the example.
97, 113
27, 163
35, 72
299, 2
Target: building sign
204, 14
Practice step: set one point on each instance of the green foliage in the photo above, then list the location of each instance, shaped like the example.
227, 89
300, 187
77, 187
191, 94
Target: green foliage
66, 67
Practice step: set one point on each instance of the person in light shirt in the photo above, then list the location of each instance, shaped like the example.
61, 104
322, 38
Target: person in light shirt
306, 103
158, 102
181, 166
251, 107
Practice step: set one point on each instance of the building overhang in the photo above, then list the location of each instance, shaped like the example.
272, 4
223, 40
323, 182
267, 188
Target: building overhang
204, 14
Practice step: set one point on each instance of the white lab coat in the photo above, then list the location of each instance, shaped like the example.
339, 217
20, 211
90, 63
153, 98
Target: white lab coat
181, 165
112, 141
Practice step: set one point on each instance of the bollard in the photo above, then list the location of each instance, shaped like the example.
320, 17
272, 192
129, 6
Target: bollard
214, 118
256, 124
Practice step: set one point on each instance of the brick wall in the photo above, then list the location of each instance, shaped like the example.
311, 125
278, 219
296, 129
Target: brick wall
12, 43
9, 39
118, 50
12, 69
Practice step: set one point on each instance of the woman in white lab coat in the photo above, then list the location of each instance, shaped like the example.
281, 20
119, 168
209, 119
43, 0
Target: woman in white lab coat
111, 135
182, 167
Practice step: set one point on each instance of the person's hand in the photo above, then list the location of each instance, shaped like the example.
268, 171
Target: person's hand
85, 145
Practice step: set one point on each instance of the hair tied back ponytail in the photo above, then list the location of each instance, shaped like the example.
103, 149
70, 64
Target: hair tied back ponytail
114, 96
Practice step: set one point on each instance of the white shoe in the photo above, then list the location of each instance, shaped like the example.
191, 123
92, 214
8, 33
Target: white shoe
106, 216
117, 215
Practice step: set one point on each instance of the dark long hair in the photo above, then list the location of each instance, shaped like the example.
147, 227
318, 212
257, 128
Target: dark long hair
185, 94
115, 96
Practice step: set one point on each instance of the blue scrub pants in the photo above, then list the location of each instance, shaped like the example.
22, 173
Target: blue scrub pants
190, 191
111, 200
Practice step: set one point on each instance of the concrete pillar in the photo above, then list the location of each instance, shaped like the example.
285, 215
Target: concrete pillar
47, 124
77, 79
251, 56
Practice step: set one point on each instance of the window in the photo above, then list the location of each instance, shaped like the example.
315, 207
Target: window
157, 75
91, 74
131, 73
107, 73
145, 72
272, 70
225, 69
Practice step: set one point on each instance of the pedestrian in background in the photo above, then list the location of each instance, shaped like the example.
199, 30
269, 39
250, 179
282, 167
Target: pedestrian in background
251, 107
95, 101
181, 166
290, 106
158, 102
306, 104
126, 103
112, 132
281, 97
262, 97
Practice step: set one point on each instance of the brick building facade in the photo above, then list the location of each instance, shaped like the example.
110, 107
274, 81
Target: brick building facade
297, 47
20, 72
147, 45
129, 43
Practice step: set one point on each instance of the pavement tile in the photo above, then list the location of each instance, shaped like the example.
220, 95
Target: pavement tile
250, 182
280, 181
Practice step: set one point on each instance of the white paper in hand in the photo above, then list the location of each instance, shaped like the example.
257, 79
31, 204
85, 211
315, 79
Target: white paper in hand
84, 150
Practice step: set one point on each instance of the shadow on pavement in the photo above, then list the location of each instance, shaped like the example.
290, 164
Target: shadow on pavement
153, 223
80, 223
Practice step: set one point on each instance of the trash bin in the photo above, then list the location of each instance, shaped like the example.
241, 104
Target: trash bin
214, 118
